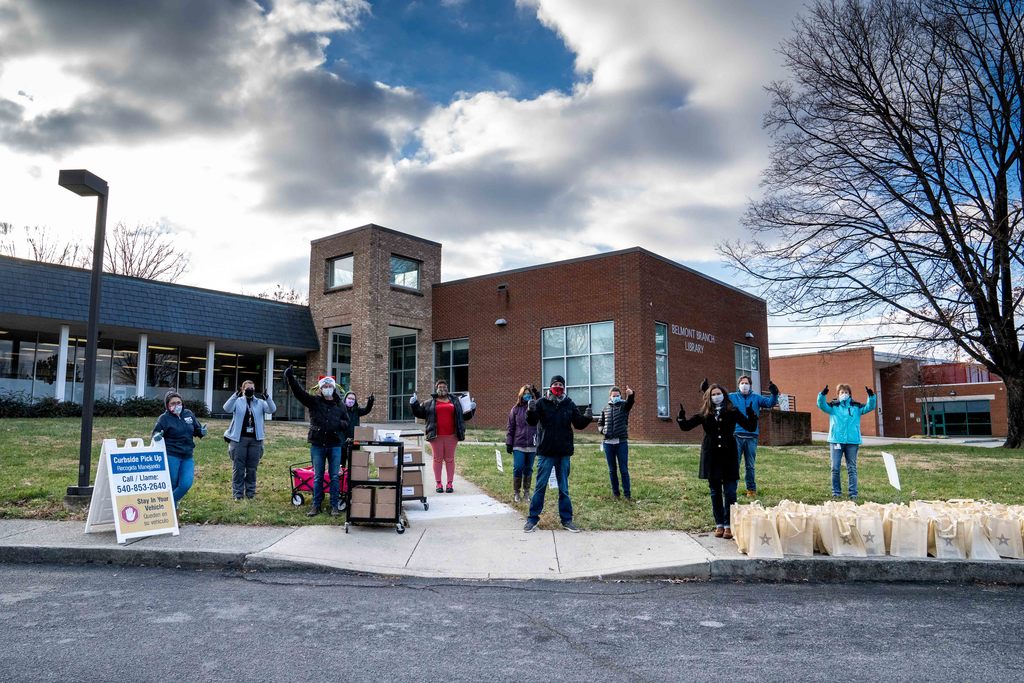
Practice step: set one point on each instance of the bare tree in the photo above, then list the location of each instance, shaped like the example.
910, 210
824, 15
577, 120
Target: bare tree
896, 177
44, 246
280, 292
145, 251
6, 245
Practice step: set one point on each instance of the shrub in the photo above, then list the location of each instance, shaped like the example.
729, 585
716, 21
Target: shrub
51, 407
14, 405
198, 408
142, 407
108, 408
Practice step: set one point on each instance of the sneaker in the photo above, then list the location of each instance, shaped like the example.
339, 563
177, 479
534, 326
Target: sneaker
751, 493
719, 531
449, 489
439, 490
727, 534
238, 498
836, 496
335, 512
629, 498
529, 526
569, 526
853, 497
313, 512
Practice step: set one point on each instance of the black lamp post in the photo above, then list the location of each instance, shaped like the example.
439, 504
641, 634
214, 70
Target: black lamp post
86, 184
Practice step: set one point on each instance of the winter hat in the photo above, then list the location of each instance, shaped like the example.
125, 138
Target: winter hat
169, 395
323, 380
557, 378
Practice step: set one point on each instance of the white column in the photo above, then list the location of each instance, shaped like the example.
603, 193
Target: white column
268, 380
211, 348
141, 365
62, 363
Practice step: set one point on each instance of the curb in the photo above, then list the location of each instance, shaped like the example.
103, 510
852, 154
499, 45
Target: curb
123, 557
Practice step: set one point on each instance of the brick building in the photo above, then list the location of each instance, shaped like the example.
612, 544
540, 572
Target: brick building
387, 324
916, 396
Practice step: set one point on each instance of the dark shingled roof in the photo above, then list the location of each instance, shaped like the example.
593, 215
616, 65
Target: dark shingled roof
44, 290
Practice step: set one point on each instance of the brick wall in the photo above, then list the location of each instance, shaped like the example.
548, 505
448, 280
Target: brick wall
785, 428
997, 405
805, 375
893, 397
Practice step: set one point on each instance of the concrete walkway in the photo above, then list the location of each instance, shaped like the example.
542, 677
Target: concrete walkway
468, 535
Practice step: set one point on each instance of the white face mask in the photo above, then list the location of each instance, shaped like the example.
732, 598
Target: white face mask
844, 396
744, 388
717, 399
176, 409
327, 392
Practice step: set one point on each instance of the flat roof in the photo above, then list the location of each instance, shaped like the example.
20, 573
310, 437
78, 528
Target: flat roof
602, 255
374, 226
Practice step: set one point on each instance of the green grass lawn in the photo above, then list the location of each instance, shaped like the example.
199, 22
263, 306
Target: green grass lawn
39, 460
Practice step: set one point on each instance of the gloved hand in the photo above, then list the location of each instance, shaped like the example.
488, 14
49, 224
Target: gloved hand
682, 413
288, 372
413, 399
588, 413
870, 391
772, 388
371, 397
750, 413
824, 392
508, 448
703, 387
158, 436
265, 396
531, 406
202, 431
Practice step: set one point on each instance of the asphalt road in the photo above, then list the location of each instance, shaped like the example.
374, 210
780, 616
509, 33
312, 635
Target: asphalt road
127, 624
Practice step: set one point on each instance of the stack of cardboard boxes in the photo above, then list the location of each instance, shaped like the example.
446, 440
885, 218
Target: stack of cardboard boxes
371, 501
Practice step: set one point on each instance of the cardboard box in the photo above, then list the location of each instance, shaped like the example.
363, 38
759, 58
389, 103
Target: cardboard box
387, 474
360, 458
412, 477
360, 510
385, 459
362, 495
415, 491
386, 500
361, 433
411, 456
359, 473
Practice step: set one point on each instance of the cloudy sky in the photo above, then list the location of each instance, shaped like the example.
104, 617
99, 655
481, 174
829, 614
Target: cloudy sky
514, 131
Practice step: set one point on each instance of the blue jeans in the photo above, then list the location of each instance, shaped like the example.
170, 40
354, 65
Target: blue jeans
617, 454
183, 472
746, 450
522, 463
720, 508
331, 455
839, 450
544, 466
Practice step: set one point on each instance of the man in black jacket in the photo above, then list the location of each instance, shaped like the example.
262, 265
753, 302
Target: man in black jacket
555, 416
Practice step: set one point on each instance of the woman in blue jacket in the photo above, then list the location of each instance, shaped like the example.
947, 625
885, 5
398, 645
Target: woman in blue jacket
177, 427
844, 433
245, 436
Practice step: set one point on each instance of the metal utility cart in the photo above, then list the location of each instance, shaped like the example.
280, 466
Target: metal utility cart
418, 436
397, 517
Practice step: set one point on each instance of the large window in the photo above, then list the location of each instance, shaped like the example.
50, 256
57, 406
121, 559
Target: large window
341, 357
405, 272
451, 361
288, 407
661, 366
748, 362
339, 272
959, 418
161, 370
585, 356
402, 367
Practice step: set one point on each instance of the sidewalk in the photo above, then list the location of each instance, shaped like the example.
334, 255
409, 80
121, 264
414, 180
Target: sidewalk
468, 535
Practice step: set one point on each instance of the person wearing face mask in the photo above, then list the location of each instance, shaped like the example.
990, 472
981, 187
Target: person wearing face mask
178, 427
355, 412
555, 416
614, 424
719, 464
245, 436
521, 442
746, 442
328, 424
844, 433
445, 428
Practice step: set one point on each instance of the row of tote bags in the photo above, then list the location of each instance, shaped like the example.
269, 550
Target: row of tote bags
954, 529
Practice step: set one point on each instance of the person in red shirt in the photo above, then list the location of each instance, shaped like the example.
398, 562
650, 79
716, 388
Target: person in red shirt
445, 428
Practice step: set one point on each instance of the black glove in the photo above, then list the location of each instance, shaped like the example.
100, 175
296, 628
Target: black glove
508, 448
265, 396
703, 386
750, 413
532, 405
370, 398
772, 388
682, 413
288, 372
824, 392
588, 413
871, 392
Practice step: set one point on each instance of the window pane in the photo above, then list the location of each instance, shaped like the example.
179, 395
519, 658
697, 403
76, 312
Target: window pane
396, 383
662, 401
977, 407
598, 397
739, 355
554, 343
446, 375
409, 383
405, 272
577, 370
755, 364
552, 368
339, 272
602, 338
579, 395
661, 369
577, 340
602, 369
660, 338
460, 352
460, 378
410, 357
955, 407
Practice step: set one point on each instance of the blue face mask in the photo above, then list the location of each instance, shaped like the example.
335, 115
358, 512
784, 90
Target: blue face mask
615, 399
527, 396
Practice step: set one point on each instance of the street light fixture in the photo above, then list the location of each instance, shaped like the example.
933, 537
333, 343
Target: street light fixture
87, 184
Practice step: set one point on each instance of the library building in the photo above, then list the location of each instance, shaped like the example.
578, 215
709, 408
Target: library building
381, 320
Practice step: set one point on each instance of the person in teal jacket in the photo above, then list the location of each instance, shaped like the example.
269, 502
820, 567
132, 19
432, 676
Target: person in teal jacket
844, 433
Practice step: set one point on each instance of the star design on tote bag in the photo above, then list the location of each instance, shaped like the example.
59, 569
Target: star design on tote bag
846, 540
869, 537
1003, 540
949, 542
766, 539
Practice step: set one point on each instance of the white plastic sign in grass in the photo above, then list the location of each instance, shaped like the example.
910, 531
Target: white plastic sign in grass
890, 469
497, 459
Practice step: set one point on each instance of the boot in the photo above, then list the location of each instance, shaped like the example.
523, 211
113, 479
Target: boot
314, 510
517, 482
527, 489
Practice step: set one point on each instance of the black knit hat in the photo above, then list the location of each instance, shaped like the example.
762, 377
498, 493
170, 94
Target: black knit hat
557, 378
